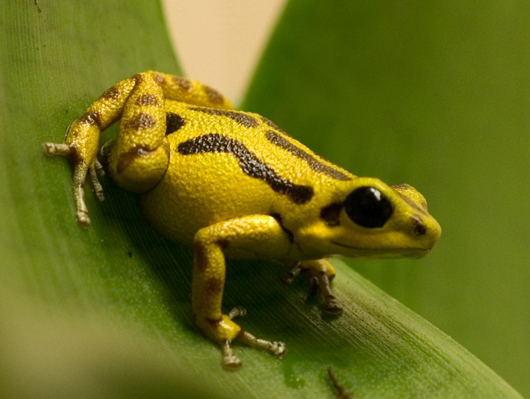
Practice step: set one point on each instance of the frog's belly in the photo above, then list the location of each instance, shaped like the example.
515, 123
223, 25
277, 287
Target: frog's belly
202, 189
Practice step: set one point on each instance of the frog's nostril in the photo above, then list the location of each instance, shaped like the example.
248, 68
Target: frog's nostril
419, 227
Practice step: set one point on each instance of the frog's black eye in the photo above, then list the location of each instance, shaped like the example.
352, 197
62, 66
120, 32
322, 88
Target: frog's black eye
368, 207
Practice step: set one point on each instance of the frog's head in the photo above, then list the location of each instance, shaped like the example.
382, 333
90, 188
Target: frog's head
370, 219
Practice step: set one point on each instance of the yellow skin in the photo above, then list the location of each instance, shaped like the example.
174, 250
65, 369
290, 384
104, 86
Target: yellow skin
233, 184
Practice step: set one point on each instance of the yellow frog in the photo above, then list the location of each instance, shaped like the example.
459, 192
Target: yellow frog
233, 184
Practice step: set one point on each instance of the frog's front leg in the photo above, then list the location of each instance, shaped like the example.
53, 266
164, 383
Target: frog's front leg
258, 234
321, 272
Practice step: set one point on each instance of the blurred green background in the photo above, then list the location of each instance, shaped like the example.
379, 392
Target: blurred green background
435, 94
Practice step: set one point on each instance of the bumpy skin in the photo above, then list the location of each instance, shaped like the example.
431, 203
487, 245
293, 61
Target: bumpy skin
233, 184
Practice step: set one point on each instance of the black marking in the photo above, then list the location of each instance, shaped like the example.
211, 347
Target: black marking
330, 214
241, 118
271, 124
138, 78
147, 99
313, 163
213, 95
213, 286
249, 163
401, 188
159, 78
173, 122
182, 83
141, 122
289, 233
111, 94
92, 118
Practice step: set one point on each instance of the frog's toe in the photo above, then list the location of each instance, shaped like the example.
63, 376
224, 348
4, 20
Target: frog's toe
96, 185
289, 277
331, 305
82, 219
52, 149
100, 170
238, 311
230, 361
314, 287
276, 348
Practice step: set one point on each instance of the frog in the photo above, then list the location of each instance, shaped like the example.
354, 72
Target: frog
233, 185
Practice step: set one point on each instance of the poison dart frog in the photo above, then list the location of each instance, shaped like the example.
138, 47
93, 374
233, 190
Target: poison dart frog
232, 184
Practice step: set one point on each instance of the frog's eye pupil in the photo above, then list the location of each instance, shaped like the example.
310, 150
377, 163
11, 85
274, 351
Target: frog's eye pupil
368, 207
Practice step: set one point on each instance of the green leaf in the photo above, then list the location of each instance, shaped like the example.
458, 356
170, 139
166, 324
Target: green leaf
106, 312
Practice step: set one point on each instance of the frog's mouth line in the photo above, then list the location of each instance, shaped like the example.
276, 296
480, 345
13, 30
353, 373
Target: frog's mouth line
391, 252
345, 246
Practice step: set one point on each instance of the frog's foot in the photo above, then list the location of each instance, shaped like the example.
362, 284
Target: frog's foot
81, 170
320, 273
230, 361
275, 348
56, 149
225, 331
289, 277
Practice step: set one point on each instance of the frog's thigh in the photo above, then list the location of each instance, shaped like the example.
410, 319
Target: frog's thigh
259, 233
139, 155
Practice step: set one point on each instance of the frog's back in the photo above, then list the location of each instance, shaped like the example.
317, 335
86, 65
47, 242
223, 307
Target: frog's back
227, 164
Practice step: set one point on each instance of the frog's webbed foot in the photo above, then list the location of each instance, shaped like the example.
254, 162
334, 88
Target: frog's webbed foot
81, 170
320, 273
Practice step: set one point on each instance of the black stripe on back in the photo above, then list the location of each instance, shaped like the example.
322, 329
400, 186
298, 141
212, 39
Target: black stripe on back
313, 163
239, 117
173, 122
248, 162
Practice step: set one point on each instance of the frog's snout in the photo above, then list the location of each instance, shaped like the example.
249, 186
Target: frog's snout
426, 230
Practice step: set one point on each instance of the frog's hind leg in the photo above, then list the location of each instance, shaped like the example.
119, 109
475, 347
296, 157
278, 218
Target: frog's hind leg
138, 156
321, 272
190, 91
